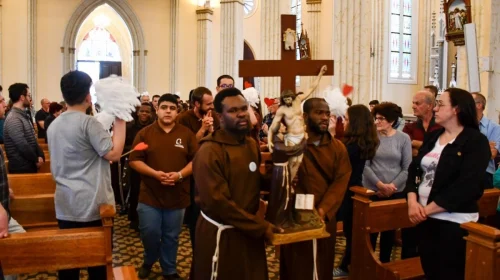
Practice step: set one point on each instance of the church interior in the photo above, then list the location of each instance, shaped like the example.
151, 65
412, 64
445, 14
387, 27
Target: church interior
382, 50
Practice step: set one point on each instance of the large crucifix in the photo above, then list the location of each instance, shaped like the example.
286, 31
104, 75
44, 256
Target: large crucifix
288, 67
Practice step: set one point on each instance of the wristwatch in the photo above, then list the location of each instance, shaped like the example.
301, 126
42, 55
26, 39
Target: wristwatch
180, 177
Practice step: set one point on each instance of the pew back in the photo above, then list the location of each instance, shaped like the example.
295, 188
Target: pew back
33, 205
370, 217
59, 249
482, 253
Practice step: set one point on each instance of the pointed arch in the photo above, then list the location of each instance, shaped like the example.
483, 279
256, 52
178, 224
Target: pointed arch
123, 8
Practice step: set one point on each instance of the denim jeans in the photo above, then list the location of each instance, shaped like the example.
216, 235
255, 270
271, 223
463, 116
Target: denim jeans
160, 229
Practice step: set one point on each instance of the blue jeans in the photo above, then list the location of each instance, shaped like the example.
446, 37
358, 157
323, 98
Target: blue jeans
160, 229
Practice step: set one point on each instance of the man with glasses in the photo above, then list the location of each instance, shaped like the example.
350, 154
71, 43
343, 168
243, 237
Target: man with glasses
22, 149
492, 131
224, 81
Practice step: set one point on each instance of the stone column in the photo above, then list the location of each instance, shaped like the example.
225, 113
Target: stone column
204, 41
483, 17
357, 63
313, 29
270, 47
142, 81
231, 38
72, 59
32, 38
136, 68
493, 89
174, 25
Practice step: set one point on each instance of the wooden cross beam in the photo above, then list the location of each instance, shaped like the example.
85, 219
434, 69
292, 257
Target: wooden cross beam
288, 67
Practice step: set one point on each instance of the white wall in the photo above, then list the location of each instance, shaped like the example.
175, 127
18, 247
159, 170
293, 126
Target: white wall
14, 42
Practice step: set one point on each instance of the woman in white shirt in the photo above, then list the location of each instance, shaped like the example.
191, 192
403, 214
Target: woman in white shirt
443, 186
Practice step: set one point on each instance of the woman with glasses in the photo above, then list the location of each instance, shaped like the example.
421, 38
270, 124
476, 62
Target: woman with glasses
444, 185
387, 172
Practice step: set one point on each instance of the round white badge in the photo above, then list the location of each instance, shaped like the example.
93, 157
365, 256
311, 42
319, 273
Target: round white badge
252, 166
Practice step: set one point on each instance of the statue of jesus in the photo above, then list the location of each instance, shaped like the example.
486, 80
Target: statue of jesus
290, 112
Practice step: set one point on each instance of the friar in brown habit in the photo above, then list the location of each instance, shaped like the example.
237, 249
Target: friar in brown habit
230, 238
324, 172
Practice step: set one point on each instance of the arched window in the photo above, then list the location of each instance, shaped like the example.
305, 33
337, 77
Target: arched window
403, 45
296, 9
99, 45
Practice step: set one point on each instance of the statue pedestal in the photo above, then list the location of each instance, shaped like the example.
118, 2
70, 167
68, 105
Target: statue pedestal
309, 226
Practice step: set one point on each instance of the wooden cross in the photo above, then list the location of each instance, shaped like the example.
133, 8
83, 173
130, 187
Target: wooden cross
288, 67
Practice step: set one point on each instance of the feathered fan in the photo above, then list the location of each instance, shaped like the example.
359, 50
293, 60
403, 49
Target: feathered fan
252, 96
336, 101
117, 99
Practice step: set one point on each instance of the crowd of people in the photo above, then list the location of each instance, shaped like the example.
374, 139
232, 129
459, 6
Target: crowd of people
202, 168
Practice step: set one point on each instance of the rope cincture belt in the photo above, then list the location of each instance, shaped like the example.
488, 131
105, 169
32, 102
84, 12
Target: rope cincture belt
285, 182
215, 258
315, 252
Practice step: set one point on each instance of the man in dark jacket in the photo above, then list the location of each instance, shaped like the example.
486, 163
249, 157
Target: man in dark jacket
21, 146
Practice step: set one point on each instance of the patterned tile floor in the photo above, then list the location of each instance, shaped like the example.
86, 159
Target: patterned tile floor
128, 250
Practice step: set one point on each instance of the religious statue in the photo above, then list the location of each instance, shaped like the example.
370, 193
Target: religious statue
281, 196
458, 13
287, 148
291, 112
289, 39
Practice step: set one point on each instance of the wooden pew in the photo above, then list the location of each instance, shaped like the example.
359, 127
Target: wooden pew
45, 153
482, 253
63, 249
45, 168
370, 217
33, 205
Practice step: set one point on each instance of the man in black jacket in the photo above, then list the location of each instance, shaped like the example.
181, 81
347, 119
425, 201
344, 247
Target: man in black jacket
21, 146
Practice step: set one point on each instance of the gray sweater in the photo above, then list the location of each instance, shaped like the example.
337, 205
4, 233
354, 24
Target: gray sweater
391, 162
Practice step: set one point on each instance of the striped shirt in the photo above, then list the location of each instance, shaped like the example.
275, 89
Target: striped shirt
21, 146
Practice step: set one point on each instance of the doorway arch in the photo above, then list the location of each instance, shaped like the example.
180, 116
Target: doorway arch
123, 8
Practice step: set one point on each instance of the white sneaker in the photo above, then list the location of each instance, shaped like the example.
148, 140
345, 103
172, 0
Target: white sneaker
339, 273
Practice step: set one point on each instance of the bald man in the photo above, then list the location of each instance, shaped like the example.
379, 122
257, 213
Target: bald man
40, 117
423, 104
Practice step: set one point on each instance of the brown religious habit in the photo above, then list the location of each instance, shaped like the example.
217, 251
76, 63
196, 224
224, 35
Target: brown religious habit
228, 181
288, 67
191, 121
324, 172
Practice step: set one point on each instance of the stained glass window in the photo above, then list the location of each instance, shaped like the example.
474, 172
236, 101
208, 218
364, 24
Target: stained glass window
402, 40
296, 9
99, 45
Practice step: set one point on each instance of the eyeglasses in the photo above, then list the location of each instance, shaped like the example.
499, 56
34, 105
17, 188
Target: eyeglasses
226, 86
439, 104
379, 119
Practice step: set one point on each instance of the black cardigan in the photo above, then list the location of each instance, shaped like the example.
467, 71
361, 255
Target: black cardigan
458, 181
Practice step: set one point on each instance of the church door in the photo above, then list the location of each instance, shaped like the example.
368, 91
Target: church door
110, 68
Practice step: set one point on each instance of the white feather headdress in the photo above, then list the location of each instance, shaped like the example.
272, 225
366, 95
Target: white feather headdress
117, 99
336, 101
252, 96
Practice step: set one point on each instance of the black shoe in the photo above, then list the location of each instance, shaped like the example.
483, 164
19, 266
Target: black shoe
144, 272
134, 225
174, 276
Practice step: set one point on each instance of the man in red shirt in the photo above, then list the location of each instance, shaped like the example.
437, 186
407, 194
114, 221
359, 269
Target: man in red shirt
423, 103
